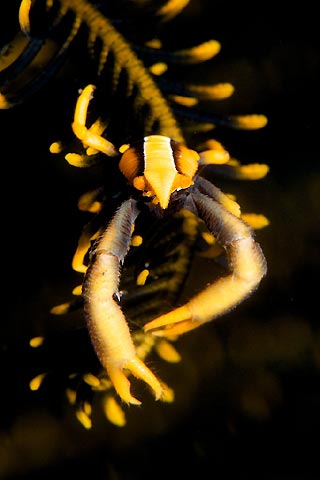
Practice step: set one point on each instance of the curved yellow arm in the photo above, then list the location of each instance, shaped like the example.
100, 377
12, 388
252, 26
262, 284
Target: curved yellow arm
88, 136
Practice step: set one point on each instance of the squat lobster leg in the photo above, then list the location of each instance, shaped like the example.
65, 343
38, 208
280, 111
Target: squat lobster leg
247, 264
107, 325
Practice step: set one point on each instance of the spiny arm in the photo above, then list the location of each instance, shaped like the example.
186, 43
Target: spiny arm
126, 59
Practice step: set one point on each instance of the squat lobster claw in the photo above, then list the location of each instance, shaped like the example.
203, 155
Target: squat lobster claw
247, 265
165, 174
107, 326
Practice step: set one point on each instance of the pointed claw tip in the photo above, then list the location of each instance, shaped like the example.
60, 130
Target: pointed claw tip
159, 333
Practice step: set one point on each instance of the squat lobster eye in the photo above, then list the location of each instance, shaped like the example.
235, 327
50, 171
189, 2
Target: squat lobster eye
158, 166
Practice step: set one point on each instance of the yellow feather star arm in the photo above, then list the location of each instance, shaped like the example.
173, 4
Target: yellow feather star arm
172, 8
197, 54
126, 59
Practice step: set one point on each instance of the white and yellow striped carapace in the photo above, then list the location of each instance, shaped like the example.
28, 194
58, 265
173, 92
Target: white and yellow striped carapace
158, 166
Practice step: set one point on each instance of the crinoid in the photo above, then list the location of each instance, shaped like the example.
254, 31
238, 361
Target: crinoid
153, 207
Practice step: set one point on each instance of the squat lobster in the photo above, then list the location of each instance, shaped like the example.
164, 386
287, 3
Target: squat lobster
164, 176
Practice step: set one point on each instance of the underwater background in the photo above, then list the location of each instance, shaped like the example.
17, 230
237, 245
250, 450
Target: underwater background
248, 388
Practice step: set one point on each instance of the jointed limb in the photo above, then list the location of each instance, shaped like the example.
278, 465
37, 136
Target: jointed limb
107, 325
247, 267
207, 188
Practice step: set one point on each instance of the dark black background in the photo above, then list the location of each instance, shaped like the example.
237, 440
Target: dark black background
248, 390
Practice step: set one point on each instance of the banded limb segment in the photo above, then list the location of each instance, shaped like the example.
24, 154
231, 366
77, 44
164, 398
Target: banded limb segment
106, 322
247, 267
207, 188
